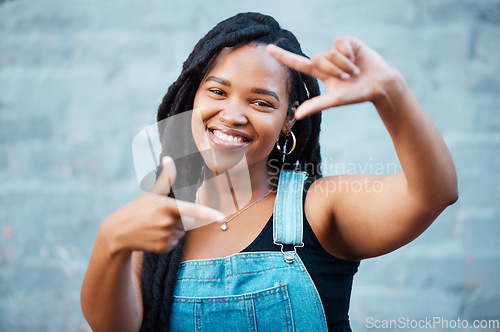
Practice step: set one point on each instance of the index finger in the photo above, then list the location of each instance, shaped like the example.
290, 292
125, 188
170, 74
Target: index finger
292, 60
196, 215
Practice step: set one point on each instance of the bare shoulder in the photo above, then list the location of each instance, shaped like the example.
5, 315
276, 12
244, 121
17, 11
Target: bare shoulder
335, 208
318, 211
315, 204
357, 216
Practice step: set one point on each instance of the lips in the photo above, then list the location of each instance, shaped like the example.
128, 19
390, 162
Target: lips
228, 137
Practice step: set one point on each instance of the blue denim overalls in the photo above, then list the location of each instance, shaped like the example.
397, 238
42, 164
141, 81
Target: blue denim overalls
254, 291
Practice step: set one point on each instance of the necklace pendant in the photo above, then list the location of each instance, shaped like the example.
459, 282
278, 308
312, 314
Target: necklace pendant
223, 226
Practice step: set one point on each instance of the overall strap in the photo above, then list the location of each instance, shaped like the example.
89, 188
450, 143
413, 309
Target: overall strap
288, 209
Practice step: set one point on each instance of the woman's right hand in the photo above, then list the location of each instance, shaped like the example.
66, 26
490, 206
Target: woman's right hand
152, 222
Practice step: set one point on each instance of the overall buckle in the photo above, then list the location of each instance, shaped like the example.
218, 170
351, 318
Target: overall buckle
289, 256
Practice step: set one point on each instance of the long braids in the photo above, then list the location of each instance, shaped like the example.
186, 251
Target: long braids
159, 271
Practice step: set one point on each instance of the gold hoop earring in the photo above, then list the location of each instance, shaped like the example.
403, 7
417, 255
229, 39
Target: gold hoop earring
283, 151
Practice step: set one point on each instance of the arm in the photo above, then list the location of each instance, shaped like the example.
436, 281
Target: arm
428, 169
389, 211
393, 210
111, 294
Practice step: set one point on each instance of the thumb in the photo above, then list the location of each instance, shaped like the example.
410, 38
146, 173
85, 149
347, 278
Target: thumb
166, 178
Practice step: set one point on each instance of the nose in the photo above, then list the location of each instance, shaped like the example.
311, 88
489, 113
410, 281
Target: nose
233, 114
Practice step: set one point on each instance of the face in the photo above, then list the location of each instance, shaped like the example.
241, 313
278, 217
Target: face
240, 108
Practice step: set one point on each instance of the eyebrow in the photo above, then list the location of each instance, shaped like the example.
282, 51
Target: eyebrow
265, 92
218, 80
254, 90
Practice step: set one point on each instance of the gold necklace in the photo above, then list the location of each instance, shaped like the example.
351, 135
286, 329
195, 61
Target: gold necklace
224, 225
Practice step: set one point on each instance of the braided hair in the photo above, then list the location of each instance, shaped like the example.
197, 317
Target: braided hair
159, 271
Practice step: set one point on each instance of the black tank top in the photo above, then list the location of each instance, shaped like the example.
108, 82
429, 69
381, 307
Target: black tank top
332, 276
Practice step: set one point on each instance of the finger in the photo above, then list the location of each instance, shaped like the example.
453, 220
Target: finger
197, 215
344, 46
323, 64
177, 234
341, 61
166, 178
166, 245
292, 60
315, 105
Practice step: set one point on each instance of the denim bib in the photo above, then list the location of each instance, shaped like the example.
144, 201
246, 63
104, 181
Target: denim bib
254, 291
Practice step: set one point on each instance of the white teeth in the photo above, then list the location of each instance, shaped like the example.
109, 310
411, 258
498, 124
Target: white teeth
227, 138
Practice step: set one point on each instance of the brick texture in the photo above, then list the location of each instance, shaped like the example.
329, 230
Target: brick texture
78, 80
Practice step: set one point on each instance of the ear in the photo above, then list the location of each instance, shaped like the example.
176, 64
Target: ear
290, 119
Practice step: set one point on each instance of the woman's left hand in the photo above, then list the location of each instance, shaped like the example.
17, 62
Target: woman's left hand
352, 72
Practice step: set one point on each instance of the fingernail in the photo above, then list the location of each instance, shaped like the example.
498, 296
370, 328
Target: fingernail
188, 222
220, 218
356, 71
165, 160
270, 47
345, 76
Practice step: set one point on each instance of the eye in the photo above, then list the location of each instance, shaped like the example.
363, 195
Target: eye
262, 103
217, 91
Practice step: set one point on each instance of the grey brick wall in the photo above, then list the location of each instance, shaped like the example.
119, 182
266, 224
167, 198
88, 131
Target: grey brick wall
78, 80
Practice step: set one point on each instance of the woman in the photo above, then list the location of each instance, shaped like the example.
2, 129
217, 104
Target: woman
285, 259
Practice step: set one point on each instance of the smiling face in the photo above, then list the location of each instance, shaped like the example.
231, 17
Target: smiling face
241, 108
